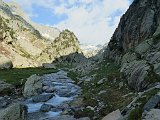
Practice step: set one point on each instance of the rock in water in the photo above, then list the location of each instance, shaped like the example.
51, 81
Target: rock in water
5, 63
14, 112
46, 108
33, 86
42, 98
115, 115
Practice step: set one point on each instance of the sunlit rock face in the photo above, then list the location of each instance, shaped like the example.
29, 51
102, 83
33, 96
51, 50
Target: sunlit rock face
28, 44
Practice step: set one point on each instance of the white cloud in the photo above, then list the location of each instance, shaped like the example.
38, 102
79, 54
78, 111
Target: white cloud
93, 21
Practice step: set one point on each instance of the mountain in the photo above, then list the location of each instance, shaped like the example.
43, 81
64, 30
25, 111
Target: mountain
46, 31
135, 44
26, 43
90, 50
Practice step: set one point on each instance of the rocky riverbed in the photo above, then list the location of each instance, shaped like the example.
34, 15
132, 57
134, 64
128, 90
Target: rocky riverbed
49, 97
57, 90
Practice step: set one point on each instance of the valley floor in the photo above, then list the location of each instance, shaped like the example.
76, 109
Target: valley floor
103, 90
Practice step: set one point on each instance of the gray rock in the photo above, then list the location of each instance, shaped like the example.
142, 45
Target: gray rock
115, 115
46, 108
14, 112
128, 57
89, 107
157, 68
68, 117
144, 46
152, 103
65, 93
101, 81
5, 63
48, 89
33, 86
135, 72
4, 101
153, 57
153, 114
42, 97
101, 92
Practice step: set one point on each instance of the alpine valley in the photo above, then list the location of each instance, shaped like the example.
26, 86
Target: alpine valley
46, 74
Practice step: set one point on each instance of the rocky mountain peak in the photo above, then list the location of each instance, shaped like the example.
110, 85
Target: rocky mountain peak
141, 21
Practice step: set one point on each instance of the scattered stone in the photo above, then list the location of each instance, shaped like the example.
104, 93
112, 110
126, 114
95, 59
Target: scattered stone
115, 115
101, 92
100, 82
42, 97
33, 86
89, 107
14, 112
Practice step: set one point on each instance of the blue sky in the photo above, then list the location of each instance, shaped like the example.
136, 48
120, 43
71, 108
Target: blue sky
92, 21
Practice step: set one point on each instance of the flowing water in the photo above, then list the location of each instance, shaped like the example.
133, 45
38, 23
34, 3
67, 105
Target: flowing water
64, 90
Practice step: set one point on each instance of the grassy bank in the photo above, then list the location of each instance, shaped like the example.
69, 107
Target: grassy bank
17, 76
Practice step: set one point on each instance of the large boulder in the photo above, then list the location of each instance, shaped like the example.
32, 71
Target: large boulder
14, 112
42, 98
33, 86
5, 63
136, 72
115, 115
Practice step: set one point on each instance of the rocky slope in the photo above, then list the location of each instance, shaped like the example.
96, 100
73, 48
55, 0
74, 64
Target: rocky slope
46, 31
135, 44
135, 49
25, 46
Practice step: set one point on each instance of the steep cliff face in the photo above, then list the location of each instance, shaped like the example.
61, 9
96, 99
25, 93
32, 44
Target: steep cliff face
135, 44
141, 21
